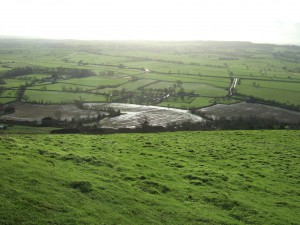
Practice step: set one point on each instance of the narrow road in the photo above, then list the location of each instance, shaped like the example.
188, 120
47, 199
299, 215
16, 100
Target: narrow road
232, 86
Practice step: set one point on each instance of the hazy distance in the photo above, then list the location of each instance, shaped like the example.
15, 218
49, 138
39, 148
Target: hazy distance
265, 21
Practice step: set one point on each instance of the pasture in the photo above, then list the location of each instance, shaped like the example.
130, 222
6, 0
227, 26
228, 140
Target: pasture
245, 177
52, 97
125, 69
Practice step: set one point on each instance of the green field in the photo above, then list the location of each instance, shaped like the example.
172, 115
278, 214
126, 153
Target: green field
219, 177
186, 103
97, 81
130, 86
89, 83
123, 67
61, 97
13, 83
5, 100
284, 93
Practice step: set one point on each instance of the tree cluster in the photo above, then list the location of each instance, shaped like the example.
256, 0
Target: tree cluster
252, 99
19, 71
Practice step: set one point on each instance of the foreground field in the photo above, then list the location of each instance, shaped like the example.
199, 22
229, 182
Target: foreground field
236, 177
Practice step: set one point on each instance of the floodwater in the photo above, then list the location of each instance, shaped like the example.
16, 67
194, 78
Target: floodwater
133, 115
244, 109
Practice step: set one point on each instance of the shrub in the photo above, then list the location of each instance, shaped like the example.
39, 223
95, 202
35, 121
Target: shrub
9, 109
82, 186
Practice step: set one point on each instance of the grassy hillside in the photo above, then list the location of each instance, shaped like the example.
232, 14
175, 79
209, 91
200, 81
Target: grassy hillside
230, 177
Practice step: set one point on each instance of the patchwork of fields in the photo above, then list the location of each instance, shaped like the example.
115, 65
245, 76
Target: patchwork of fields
212, 177
221, 177
173, 74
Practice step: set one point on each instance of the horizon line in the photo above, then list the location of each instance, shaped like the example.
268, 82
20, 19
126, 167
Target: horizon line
145, 40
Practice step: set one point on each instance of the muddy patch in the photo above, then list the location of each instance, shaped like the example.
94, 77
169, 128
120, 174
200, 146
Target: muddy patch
245, 110
36, 112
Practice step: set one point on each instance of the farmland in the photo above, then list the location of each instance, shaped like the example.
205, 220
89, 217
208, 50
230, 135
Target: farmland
183, 177
245, 177
173, 74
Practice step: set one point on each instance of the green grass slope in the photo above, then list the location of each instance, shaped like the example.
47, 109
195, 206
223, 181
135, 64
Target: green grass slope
219, 177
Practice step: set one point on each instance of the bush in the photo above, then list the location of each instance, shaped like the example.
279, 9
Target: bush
9, 109
82, 186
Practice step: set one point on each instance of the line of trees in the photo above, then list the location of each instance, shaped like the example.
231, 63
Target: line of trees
55, 72
20, 92
19, 71
252, 99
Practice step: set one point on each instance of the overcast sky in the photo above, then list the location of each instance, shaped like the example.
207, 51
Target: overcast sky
271, 21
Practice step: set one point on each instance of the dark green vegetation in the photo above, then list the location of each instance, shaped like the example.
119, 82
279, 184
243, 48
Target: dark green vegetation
22, 129
174, 74
233, 177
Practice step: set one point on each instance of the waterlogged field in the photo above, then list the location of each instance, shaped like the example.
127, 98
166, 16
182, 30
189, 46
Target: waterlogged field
148, 72
230, 177
248, 110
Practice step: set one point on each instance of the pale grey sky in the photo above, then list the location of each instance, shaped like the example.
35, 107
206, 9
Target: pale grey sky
271, 21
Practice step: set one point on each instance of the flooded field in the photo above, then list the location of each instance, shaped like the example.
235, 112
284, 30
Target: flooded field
131, 115
251, 109
35, 112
